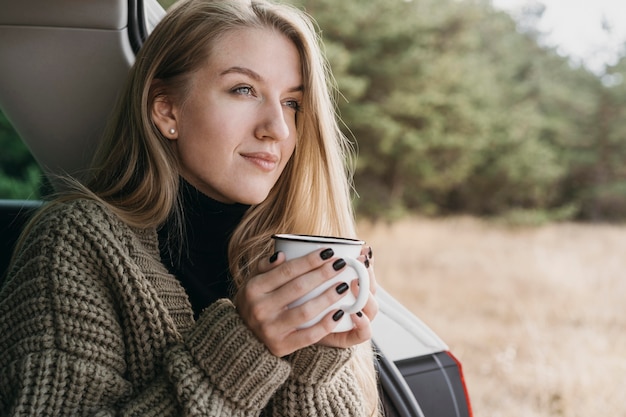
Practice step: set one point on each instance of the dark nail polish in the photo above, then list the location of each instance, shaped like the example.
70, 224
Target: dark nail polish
338, 264
341, 288
367, 263
338, 315
327, 253
369, 253
273, 257
359, 314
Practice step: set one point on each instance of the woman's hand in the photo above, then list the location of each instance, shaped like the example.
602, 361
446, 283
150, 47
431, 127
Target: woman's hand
362, 330
262, 301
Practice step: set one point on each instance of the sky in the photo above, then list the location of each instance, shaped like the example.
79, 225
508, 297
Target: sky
575, 27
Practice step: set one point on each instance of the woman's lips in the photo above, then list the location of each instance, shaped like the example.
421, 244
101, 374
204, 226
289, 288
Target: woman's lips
264, 160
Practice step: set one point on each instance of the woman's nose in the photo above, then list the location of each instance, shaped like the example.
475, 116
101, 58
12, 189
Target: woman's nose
273, 121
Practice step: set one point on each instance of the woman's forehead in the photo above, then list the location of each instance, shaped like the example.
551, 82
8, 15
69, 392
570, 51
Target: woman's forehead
263, 54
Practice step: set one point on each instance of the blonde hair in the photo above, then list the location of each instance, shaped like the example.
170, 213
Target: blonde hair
135, 172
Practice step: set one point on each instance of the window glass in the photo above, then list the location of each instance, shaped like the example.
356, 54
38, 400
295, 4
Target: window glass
20, 175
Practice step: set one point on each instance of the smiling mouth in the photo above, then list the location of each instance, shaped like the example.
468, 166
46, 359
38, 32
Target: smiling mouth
263, 160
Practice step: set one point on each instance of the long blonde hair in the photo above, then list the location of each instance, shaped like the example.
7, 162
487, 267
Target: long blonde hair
135, 172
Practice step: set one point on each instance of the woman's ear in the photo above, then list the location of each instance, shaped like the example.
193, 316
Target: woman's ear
164, 116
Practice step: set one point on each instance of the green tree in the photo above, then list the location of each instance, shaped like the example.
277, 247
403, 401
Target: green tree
20, 176
441, 98
597, 175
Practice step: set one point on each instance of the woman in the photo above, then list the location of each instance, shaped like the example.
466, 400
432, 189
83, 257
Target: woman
153, 289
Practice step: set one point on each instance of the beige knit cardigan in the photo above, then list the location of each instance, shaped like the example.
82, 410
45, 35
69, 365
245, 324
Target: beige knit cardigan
92, 324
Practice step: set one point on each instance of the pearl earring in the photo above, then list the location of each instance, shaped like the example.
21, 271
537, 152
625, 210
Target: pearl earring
172, 131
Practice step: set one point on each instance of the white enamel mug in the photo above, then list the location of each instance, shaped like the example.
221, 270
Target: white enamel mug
295, 246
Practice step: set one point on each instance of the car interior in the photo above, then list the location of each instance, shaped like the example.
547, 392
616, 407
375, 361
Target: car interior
62, 64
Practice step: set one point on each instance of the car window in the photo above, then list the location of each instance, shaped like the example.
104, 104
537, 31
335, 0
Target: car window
20, 175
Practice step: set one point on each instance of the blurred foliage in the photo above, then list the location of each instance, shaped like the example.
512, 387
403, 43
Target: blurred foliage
455, 108
166, 3
20, 176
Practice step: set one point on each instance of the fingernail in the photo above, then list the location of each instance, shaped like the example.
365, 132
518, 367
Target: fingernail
338, 264
359, 314
273, 257
369, 253
341, 288
338, 315
327, 253
367, 263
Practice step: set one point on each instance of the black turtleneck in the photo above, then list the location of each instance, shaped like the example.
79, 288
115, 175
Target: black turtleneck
200, 260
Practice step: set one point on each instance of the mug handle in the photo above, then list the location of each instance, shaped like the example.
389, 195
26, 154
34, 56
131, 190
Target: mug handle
364, 286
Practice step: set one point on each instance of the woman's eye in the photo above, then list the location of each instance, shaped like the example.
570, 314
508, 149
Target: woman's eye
244, 90
294, 104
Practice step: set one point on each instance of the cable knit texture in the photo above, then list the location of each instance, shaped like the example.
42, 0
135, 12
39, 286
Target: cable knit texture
92, 324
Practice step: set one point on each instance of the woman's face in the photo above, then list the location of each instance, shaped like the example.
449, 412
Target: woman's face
236, 130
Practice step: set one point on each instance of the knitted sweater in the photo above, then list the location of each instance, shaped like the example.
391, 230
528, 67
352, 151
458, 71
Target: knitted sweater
91, 323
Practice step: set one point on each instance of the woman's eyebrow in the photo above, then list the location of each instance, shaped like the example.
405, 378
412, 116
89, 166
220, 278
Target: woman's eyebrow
255, 76
242, 70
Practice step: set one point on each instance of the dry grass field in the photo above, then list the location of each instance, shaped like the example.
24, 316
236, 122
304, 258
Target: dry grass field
536, 315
